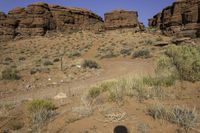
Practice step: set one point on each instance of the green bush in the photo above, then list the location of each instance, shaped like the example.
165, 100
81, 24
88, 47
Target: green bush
90, 64
40, 110
144, 53
186, 60
10, 74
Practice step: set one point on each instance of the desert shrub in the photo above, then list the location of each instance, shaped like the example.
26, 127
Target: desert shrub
148, 42
90, 64
56, 60
160, 80
8, 59
186, 60
144, 53
15, 125
74, 54
94, 92
10, 74
184, 117
38, 70
40, 110
34, 71
157, 92
103, 87
47, 63
22, 58
157, 111
143, 128
126, 51
131, 87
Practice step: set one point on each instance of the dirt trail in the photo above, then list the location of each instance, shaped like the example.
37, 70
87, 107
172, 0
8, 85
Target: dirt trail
110, 69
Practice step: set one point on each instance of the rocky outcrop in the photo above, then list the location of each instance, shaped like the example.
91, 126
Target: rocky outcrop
38, 18
181, 19
122, 19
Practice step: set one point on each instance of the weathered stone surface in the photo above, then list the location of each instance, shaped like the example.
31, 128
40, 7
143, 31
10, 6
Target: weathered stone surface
69, 18
38, 18
181, 19
122, 19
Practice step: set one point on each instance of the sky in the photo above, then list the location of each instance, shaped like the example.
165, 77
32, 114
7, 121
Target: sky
146, 8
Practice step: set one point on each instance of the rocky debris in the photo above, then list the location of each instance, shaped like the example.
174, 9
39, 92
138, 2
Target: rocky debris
180, 19
181, 40
122, 19
38, 18
60, 95
161, 43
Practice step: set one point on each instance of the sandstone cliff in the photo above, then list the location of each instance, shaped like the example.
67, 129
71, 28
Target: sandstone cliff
38, 18
122, 19
182, 18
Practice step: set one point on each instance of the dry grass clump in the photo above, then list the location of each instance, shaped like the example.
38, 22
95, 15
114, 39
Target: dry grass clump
143, 128
15, 125
74, 54
40, 110
90, 64
10, 74
143, 53
183, 116
131, 87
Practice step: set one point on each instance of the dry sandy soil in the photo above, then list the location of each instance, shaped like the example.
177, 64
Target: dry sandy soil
74, 114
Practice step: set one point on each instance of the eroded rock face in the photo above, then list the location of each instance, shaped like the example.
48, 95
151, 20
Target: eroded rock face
122, 19
181, 19
38, 18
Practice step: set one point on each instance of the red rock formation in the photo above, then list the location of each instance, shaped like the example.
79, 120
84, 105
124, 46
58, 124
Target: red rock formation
38, 18
121, 19
181, 19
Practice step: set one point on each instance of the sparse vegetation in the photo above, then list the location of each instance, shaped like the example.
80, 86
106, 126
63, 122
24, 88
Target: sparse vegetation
158, 111
160, 80
182, 116
148, 42
40, 110
144, 53
143, 128
10, 74
186, 61
90, 64
47, 63
126, 51
138, 87
74, 54
15, 125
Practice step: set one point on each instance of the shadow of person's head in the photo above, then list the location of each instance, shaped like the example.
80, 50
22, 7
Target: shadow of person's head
120, 129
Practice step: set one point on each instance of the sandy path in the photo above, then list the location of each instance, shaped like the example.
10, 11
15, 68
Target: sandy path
110, 69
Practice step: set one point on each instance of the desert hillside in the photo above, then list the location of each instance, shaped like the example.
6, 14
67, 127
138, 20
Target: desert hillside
70, 71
